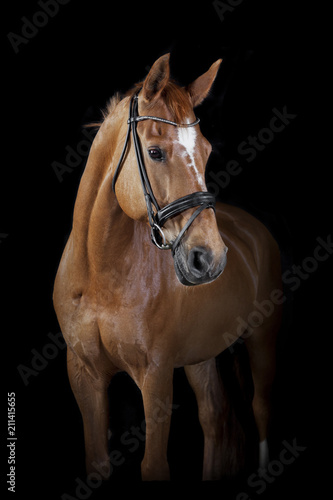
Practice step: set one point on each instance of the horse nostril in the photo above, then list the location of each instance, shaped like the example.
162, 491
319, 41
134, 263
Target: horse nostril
199, 261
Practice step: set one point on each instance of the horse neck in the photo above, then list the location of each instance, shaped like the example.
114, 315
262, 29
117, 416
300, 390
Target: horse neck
100, 229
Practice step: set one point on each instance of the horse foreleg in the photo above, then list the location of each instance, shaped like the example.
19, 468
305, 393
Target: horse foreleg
91, 395
206, 384
157, 400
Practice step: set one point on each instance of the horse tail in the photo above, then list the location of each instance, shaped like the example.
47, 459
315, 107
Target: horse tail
239, 434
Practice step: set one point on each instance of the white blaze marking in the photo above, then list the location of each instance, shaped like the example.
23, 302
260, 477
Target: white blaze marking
187, 138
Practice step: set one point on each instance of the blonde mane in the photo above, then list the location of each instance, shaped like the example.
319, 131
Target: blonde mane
111, 105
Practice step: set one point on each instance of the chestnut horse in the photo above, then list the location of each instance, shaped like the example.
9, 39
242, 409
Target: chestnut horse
124, 304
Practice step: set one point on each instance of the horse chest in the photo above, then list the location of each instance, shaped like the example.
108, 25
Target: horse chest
138, 314
181, 326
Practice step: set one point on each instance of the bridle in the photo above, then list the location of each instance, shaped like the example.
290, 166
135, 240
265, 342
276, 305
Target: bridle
158, 217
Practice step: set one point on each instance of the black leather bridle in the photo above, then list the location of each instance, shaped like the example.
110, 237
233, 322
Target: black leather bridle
158, 217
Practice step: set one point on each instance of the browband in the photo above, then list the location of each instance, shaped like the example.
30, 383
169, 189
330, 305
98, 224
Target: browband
163, 120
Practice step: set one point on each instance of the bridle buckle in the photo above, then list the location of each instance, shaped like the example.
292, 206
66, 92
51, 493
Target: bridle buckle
164, 245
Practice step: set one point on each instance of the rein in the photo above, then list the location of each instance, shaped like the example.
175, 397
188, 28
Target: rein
158, 217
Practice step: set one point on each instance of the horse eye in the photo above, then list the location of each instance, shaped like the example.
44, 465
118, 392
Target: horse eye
155, 153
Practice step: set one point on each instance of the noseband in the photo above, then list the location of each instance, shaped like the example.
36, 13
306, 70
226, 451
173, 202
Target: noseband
158, 217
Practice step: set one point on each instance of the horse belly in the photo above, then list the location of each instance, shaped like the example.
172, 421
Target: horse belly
211, 320
206, 335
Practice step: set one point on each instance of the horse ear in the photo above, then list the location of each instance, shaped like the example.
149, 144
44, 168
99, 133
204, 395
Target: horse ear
198, 90
156, 79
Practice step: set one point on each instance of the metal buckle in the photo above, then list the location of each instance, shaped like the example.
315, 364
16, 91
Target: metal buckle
165, 245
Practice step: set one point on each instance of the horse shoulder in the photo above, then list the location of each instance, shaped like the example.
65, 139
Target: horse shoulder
253, 245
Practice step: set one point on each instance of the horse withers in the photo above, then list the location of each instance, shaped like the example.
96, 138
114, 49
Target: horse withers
126, 303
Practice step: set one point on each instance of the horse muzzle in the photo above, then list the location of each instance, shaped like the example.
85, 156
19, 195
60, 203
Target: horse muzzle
199, 265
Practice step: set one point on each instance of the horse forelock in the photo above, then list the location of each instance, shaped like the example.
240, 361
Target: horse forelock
174, 97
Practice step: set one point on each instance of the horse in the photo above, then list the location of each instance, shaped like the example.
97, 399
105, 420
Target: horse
144, 289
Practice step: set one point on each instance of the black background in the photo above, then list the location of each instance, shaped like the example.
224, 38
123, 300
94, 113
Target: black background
273, 57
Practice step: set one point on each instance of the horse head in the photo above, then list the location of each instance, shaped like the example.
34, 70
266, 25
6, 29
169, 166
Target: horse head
174, 159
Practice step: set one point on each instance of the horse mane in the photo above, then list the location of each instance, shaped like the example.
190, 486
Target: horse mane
111, 105
106, 112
